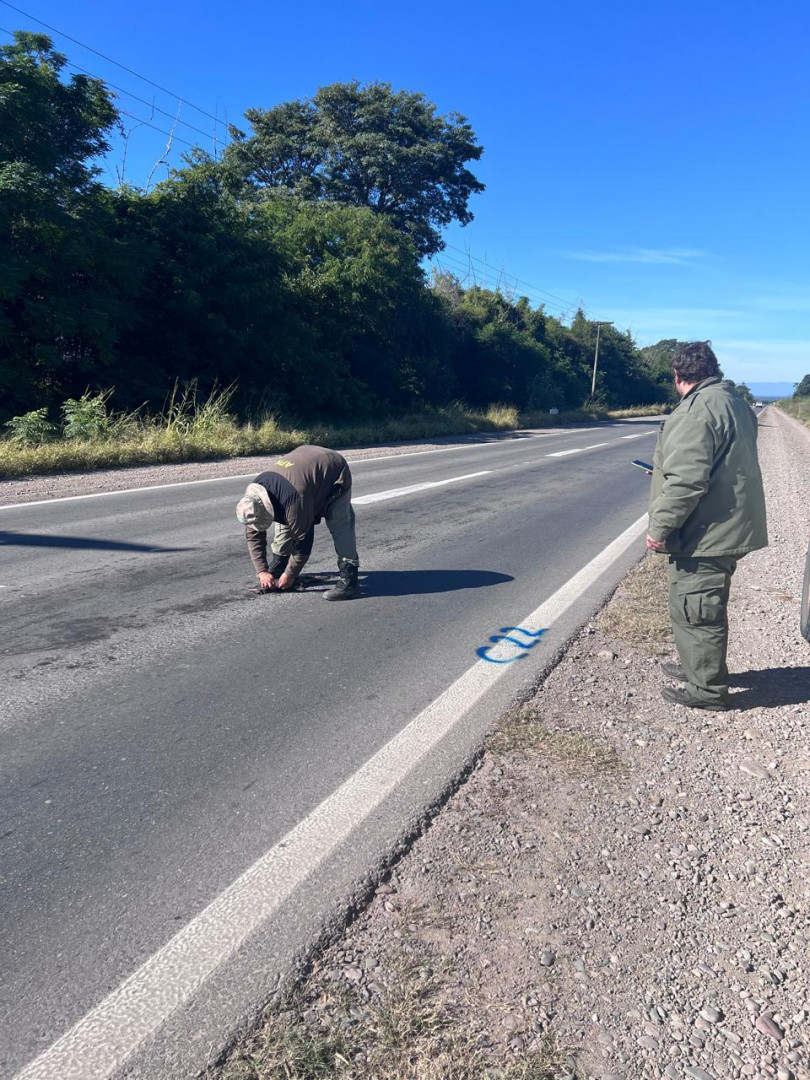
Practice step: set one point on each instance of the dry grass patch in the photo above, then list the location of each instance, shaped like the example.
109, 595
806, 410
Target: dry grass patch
638, 614
575, 753
407, 1029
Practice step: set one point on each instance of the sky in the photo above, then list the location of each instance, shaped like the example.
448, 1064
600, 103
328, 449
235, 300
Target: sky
647, 161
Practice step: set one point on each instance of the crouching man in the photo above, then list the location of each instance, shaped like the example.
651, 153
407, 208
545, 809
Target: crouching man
293, 494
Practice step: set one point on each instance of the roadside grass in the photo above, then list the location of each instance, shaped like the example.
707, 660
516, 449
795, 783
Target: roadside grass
638, 613
798, 407
578, 755
406, 1028
191, 430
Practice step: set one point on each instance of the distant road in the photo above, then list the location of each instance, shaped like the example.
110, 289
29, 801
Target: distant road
161, 731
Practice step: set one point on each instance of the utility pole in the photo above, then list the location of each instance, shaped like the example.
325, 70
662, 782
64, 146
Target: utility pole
599, 326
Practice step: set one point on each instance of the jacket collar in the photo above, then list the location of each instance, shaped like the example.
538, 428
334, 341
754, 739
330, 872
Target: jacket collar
699, 386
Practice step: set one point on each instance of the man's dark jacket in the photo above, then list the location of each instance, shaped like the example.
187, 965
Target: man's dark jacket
301, 485
706, 495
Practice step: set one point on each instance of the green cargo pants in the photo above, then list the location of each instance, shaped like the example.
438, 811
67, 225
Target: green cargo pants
339, 518
698, 610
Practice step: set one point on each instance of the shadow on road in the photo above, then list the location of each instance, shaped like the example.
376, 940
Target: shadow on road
771, 687
413, 582
15, 539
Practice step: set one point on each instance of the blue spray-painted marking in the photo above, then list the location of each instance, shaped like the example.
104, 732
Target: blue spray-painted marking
482, 652
514, 641
533, 635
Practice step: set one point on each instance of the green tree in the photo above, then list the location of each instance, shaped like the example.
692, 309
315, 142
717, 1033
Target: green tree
369, 146
802, 388
745, 393
63, 283
373, 329
212, 304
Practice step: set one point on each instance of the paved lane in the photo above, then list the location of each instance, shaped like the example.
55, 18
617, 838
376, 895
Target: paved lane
161, 731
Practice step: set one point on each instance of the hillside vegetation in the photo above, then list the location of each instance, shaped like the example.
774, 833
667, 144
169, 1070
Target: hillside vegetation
290, 270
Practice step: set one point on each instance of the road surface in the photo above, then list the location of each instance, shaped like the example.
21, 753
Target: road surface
161, 731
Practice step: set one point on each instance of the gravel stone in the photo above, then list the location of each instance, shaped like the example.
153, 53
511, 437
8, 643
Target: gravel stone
768, 1026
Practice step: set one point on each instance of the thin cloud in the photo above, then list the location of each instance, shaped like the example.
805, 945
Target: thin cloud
648, 256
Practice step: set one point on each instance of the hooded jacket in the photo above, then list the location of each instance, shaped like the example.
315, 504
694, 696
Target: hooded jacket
706, 496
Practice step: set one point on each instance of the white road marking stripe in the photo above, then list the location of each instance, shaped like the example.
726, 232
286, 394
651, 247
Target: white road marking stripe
576, 450
111, 1032
394, 493
251, 475
640, 435
248, 476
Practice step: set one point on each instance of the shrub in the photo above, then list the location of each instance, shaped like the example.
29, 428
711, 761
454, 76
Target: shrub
32, 428
87, 417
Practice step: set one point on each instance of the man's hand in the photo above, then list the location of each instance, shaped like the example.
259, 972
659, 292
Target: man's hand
266, 581
286, 581
655, 545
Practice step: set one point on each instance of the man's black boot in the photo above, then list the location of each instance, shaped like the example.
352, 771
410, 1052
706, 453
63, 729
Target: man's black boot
347, 587
681, 696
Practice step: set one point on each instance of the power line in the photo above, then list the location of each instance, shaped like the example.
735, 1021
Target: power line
457, 265
543, 292
128, 93
143, 101
146, 123
109, 59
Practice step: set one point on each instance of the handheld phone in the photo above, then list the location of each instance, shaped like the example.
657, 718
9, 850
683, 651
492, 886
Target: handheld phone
643, 465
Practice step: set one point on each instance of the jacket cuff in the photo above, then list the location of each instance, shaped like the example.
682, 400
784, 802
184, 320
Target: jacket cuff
658, 534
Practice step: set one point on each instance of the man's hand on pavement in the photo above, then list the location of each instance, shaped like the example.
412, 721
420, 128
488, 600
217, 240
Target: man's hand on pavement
267, 581
655, 545
286, 581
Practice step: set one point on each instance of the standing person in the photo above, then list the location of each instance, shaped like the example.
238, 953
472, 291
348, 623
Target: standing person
295, 492
707, 510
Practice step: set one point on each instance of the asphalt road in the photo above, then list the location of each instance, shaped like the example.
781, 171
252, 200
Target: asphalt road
160, 730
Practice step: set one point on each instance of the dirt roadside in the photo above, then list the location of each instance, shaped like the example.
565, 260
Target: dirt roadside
621, 888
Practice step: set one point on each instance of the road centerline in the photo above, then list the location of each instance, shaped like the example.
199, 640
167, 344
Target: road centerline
577, 450
394, 493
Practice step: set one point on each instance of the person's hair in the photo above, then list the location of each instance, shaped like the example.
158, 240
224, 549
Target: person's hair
695, 361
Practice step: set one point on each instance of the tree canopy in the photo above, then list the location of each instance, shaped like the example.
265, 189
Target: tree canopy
368, 146
293, 268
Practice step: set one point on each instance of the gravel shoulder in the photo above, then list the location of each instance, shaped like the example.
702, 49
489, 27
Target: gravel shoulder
621, 888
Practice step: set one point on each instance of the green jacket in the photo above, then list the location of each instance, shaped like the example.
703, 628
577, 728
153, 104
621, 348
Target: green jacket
707, 497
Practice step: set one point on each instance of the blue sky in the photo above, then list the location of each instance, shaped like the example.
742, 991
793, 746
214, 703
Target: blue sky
646, 160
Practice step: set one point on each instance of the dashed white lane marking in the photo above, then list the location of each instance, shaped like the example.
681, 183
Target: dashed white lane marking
248, 476
394, 493
576, 450
640, 435
103, 1040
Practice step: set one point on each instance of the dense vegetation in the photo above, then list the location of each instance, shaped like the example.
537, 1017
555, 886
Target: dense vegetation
291, 267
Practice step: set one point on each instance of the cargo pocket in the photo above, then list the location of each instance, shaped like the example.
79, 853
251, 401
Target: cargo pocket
707, 606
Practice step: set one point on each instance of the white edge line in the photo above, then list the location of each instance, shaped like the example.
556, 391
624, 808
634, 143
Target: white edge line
640, 435
114, 1030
